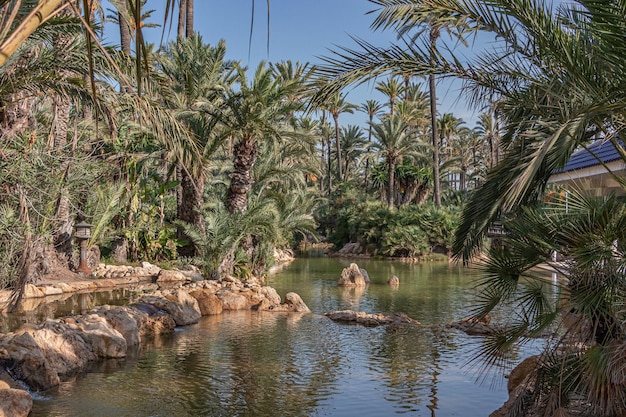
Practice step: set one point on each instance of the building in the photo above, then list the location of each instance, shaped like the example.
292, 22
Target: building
593, 169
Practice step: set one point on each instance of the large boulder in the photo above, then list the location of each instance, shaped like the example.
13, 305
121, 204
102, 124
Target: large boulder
393, 281
352, 277
43, 355
14, 402
233, 301
178, 303
474, 326
293, 304
366, 276
125, 320
522, 380
351, 248
270, 294
208, 302
171, 276
104, 340
520, 374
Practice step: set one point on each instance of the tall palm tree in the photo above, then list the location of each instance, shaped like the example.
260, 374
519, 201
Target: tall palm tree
257, 111
372, 108
185, 18
545, 114
124, 16
298, 74
336, 106
392, 141
353, 143
194, 76
486, 127
393, 89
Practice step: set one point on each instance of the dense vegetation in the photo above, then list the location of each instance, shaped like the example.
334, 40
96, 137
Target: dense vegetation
178, 155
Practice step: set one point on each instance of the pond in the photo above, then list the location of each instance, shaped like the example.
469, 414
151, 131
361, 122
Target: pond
276, 364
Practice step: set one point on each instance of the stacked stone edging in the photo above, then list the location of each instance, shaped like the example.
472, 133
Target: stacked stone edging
41, 356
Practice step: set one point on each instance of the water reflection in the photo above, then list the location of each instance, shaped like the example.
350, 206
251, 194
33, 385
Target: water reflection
273, 364
38, 310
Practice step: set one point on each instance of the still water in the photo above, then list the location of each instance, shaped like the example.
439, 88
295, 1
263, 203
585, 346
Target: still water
276, 364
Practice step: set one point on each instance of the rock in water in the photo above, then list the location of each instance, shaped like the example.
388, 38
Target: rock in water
352, 277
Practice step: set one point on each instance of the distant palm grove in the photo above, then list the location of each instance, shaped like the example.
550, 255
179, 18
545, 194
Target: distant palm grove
179, 156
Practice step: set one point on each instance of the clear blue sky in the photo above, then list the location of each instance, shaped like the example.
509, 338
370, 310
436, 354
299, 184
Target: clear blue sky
300, 30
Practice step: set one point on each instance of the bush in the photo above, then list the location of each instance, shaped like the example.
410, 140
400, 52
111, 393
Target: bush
410, 231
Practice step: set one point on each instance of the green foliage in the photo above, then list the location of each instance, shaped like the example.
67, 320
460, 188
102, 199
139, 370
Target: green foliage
409, 231
11, 240
242, 243
586, 308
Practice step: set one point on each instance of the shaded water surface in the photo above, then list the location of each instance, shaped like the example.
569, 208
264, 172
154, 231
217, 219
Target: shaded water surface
275, 364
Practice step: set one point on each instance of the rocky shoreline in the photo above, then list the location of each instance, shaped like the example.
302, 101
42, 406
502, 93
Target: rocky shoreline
38, 357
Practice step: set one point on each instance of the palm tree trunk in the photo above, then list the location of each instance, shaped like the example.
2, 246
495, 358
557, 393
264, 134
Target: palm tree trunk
338, 142
16, 114
124, 34
369, 142
330, 172
61, 111
189, 19
190, 198
245, 154
463, 178
182, 12
392, 183
434, 34
192, 193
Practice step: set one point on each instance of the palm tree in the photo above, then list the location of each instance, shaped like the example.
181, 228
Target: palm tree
298, 74
392, 142
448, 126
326, 135
545, 114
185, 18
336, 106
352, 146
583, 361
372, 108
194, 76
393, 89
124, 16
486, 127
257, 112
404, 16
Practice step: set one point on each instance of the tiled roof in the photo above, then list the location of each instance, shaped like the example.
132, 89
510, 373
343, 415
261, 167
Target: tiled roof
583, 158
